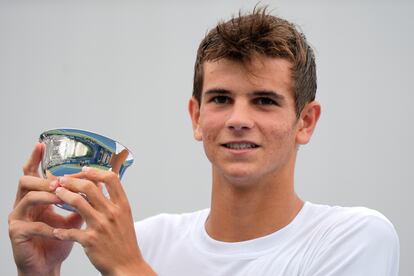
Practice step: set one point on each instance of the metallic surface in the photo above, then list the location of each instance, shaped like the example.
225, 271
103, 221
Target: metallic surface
68, 150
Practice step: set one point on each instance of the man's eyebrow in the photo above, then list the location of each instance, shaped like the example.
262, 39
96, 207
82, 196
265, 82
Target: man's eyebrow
217, 91
260, 93
268, 93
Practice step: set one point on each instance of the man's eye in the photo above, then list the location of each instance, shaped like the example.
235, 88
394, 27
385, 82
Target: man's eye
220, 100
265, 101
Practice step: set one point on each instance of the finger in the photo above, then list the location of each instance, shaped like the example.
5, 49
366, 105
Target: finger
94, 195
118, 159
32, 164
33, 198
111, 181
23, 230
80, 174
78, 202
71, 234
33, 183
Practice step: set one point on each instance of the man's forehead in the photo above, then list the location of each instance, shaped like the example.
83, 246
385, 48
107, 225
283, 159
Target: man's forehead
255, 63
260, 72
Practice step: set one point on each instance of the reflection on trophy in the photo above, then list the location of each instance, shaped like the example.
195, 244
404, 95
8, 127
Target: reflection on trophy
68, 150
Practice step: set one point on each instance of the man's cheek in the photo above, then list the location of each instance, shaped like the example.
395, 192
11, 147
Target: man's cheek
208, 133
208, 137
281, 132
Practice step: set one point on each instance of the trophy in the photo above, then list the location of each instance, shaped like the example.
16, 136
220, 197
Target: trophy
68, 150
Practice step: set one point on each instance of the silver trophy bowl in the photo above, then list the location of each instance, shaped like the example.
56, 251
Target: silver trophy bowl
68, 150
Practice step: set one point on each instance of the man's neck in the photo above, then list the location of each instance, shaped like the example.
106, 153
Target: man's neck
251, 211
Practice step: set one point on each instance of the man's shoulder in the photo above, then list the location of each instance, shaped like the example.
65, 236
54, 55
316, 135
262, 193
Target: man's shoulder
353, 238
337, 216
336, 221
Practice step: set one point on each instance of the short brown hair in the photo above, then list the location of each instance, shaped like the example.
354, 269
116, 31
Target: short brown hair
243, 36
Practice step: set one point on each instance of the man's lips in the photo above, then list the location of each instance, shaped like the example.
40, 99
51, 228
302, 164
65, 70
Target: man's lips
240, 145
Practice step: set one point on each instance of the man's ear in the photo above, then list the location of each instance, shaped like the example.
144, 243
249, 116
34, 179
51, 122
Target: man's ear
194, 109
307, 122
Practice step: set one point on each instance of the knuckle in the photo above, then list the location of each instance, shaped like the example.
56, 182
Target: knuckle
12, 229
112, 214
90, 238
30, 196
101, 224
89, 186
110, 177
15, 228
10, 219
22, 181
91, 172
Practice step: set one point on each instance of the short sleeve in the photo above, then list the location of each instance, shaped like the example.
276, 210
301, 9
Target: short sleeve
363, 246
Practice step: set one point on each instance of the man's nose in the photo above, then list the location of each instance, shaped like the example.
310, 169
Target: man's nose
240, 117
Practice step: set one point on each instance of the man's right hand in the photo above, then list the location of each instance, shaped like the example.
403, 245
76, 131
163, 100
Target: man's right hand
32, 220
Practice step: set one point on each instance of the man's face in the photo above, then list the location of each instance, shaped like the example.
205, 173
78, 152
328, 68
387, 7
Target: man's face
246, 118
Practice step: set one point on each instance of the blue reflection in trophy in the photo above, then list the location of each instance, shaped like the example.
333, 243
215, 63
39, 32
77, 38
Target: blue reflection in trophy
68, 150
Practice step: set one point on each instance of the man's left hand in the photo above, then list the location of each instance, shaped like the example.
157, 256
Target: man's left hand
109, 238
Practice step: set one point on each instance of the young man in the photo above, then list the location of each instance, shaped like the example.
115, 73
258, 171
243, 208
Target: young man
253, 104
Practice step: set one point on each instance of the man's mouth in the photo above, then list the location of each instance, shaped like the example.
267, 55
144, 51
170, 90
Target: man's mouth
240, 146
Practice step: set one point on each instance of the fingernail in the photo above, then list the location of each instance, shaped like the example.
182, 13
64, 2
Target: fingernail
85, 168
62, 180
58, 189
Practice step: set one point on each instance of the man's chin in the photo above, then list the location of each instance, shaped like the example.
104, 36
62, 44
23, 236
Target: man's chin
243, 174
241, 178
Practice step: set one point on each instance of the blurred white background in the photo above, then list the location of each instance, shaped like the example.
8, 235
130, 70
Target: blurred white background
124, 69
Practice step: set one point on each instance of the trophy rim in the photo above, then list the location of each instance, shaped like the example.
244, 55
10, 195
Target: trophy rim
81, 132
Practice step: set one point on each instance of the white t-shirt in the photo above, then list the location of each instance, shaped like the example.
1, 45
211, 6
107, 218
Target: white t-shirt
320, 241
